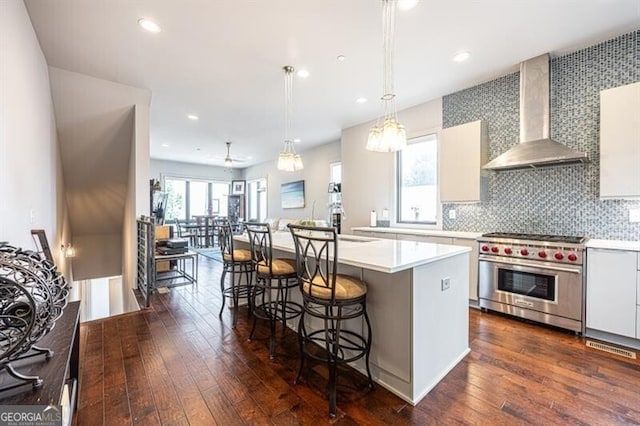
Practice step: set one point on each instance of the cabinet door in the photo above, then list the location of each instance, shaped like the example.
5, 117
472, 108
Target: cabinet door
473, 265
611, 291
620, 141
463, 150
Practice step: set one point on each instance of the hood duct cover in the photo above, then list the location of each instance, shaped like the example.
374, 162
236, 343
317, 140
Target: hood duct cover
536, 148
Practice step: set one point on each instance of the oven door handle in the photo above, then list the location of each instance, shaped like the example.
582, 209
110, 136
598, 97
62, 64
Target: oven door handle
535, 265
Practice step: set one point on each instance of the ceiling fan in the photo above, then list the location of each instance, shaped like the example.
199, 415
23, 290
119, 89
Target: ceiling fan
228, 160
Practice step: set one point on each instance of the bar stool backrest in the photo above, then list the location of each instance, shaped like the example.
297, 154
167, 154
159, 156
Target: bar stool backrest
317, 260
260, 243
225, 238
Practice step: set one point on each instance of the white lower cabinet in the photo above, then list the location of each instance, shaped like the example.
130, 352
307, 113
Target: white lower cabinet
612, 286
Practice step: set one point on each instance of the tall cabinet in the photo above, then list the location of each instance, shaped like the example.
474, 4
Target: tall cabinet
236, 209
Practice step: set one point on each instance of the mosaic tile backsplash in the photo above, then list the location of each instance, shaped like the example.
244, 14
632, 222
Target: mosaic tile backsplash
555, 200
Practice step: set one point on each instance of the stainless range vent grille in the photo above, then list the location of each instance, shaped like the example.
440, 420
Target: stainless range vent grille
611, 349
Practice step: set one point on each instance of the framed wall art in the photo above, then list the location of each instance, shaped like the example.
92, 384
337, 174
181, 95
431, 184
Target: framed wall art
237, 187
292, 194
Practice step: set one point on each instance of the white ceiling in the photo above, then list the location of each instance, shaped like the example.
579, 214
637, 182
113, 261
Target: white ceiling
222, 59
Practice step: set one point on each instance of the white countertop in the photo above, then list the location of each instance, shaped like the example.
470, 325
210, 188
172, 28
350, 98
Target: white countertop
426, 232
381, 255
614, 244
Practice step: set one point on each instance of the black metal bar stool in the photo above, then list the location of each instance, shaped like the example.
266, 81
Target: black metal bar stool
275, 277
234, 261
332, 298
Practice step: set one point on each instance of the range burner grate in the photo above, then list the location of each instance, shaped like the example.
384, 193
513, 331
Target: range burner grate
537, 237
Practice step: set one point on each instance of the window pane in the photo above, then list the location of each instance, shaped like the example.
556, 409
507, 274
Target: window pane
176, 199
336, 172
219, 192
253, 200
197, 198
418, 181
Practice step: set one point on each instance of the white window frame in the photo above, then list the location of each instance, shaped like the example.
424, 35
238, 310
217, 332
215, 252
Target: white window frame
396, 187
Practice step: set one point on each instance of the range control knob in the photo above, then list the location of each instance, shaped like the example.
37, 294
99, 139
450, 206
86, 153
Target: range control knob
494, 249
572, 257
507, 250
524, 252
558, 256
484, 248
542, 254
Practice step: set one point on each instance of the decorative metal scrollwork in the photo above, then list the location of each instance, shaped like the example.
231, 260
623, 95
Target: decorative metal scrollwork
33, 295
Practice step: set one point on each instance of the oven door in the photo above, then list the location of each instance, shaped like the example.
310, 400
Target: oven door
541, 286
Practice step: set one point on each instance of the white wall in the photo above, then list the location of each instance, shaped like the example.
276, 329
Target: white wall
161, 168
137, 200
316, 181
30, 168
368, 181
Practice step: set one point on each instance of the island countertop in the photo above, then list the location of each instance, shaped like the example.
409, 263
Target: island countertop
381, 255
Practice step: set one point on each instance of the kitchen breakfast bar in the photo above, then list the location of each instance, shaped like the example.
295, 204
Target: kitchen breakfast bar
417, 301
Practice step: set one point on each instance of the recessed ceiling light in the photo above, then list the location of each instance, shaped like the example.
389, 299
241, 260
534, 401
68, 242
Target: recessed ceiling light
341, 58
361, 100
303, 73
407, 4
461, 56
192, 117
165, 145
149, 25
250, 158
297, 140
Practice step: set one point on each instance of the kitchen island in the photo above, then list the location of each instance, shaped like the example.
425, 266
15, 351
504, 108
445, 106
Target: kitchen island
417, 301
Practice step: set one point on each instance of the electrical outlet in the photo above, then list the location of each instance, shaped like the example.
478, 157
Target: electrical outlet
32, 216
634, 215
446, 283
452, 214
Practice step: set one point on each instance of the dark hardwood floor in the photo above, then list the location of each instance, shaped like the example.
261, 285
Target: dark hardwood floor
178, 363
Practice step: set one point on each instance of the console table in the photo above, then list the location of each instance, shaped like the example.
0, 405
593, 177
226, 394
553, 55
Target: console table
181, 274
57, 372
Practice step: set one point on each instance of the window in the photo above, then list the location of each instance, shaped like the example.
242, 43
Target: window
417, 181
188, 197
335, 170
257, 199
176, 199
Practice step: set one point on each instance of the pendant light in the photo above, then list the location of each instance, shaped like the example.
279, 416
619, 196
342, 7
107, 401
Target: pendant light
288, 160
387, 135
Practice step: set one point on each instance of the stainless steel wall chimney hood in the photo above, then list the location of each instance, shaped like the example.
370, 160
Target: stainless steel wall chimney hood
536, 148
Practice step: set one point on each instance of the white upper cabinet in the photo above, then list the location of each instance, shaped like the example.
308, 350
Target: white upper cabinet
463, 151
620, 142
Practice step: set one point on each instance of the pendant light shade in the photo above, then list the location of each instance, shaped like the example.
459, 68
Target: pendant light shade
288, 160
388, 135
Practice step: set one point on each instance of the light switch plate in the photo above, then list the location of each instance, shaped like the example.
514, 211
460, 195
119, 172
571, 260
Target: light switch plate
634, 215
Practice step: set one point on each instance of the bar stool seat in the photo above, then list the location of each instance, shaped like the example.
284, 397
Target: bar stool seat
279, 267
238, 255
274, 277
329, 299
347, 288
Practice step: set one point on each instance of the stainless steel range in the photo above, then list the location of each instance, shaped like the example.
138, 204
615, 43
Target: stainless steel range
537, 277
